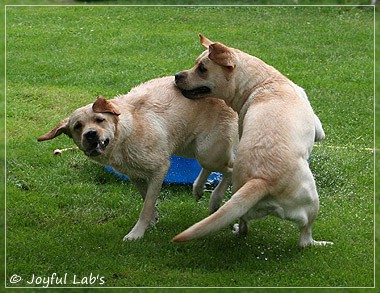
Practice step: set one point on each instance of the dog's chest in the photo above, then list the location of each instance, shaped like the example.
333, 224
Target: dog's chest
131, 162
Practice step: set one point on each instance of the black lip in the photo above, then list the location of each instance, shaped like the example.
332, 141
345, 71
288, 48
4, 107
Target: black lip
198, 92
94, 153
97, 148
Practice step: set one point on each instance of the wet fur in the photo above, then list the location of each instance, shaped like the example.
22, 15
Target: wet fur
137, 133
277, 129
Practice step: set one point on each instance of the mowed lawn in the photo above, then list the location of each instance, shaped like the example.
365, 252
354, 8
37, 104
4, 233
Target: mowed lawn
66, 215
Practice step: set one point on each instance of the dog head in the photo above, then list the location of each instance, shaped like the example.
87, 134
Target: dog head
92, 127
212, 74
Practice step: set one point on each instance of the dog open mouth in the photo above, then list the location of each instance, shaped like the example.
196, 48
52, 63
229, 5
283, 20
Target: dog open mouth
198, 92
97, 148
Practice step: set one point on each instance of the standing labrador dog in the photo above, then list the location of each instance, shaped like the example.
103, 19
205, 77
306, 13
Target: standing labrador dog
277, 129
137, 134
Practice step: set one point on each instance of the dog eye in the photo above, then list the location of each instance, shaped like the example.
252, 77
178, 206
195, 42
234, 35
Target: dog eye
99, 120
78, 126
202, 68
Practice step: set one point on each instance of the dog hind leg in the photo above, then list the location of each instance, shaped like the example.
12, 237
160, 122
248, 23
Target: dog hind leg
306, 238
306, 215
241, 228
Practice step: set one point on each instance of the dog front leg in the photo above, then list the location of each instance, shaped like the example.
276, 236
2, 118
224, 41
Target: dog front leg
148, 213
199, 183
220, 190
142, 187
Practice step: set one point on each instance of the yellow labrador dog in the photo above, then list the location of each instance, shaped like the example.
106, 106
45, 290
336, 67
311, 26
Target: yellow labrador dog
137, 134
277, 129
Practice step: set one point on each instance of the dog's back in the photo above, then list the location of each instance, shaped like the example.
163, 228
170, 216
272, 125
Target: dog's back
184, 122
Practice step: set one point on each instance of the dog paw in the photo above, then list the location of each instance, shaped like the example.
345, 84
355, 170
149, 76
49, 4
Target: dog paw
321, 243
133, 236
315, 243
235, 229
240, 229
198, 192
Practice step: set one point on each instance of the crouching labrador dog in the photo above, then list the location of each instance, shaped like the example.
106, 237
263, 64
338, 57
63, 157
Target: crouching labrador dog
277, 129
137, 134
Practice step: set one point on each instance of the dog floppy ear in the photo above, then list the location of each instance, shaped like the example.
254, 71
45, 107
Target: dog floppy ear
101, 105
204, 41
221, 55
218, 52
62, 127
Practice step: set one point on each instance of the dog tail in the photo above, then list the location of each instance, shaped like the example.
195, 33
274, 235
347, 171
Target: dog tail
239, 204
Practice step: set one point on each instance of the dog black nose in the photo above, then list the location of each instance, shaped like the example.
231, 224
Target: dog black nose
91, 136
178, 76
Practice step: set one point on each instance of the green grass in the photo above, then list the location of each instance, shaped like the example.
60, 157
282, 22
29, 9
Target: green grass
68, 215
190, 2
377, 142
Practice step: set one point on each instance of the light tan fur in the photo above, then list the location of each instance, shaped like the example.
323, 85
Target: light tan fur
137, 134
277, 129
